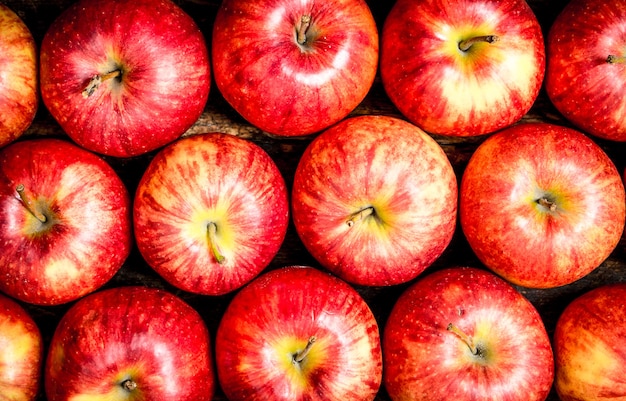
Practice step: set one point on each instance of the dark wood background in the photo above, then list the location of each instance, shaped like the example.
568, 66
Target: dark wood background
220, 117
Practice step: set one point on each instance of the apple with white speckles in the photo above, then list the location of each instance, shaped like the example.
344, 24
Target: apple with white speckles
298, 334
124, 77
589, 342
21, 353
541, 205
374, 200
586, 65
463, 333
210, 212
65, 226
130, 344
462, 67
294, 67
18, 80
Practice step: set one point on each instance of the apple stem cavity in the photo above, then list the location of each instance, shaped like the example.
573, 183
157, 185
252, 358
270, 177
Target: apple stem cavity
301, 31
547, 203
129, 385
360, 215
96, 80
300, 355
466, 339
28, 204
466, 44
215, 249
613, 59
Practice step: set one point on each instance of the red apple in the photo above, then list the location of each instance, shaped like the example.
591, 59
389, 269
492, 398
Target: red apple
18, 77
465, 334
589, 343
462, 67
64, 221
586, 65
21, 353
130, 344
124, 77
541, 205
296, 334
375, 200
294, 67
210, 212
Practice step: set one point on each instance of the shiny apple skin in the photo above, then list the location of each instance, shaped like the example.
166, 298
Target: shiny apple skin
273, 317
446, 91
425, 361
391, 165
91, 236
579, 42
206, 178
285, 88
21, 353
589, 343
523, 241
142, 334
19, 79
165, 81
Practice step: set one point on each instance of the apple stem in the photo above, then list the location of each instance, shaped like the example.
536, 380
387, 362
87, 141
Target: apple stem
466, 339
464, 45
21, 191
547, 203
129, 385
212, 235
360, 215
305, 22
612, 59
96, 80
299, 357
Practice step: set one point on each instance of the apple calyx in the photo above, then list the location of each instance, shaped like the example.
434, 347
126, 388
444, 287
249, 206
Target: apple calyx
466, 44
213, 243
301, 30
476, 350
28, 204
360, 215
613, 59
547, 203
96, 80
299, 356
129, 385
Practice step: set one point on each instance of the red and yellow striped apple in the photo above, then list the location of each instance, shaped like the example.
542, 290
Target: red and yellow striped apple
462, 67
295, 334
18, 78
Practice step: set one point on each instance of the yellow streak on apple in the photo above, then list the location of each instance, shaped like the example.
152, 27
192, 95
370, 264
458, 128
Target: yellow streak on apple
116, 391
61, 270
15, 344
466, 85
196, 229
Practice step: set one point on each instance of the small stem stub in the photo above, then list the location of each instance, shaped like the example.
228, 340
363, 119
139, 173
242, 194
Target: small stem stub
300, 355
305, 22
129, 385
360, 215
547, 203
466, 339
28, 204
465, 45
96, 80
212, 237
613, 59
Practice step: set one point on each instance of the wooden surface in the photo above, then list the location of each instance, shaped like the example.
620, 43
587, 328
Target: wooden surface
218, 116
